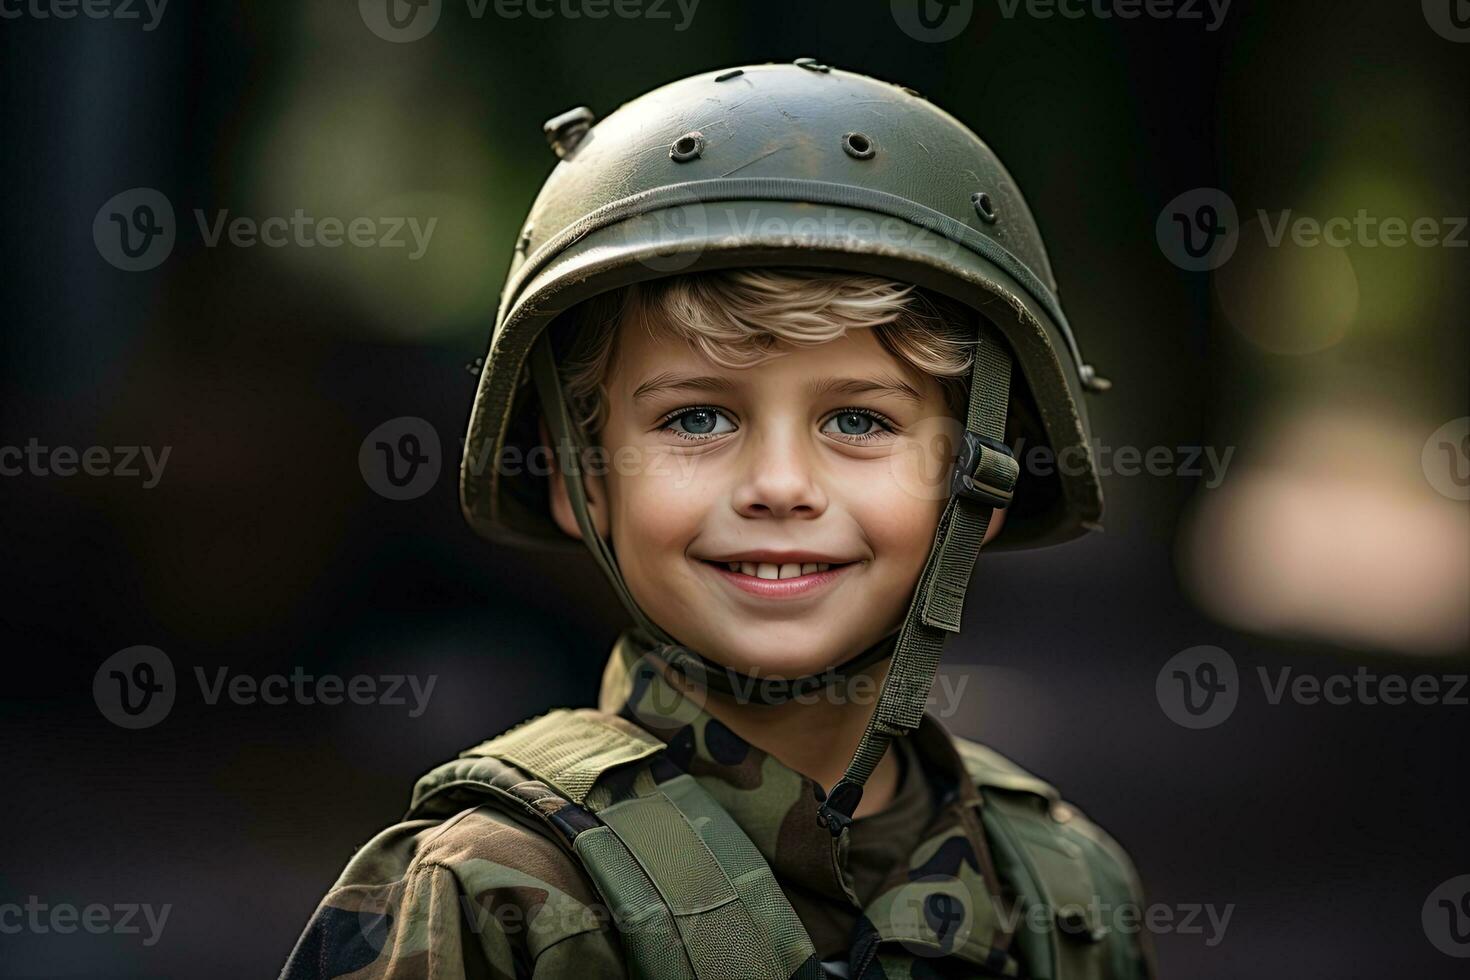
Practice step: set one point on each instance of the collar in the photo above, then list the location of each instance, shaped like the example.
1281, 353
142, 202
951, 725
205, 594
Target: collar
945, 902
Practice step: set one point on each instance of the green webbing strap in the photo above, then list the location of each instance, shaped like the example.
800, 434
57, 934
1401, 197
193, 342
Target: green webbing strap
935, 610
674, 866
732, 918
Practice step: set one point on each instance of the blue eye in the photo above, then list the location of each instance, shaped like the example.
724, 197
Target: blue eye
696, 423
859, 425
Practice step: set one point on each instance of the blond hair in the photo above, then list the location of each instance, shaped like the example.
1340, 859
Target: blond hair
738, 317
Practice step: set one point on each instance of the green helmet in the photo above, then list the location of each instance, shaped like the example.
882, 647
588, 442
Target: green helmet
799, 165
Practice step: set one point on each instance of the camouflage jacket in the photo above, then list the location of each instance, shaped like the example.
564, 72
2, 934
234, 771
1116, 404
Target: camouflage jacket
482, 893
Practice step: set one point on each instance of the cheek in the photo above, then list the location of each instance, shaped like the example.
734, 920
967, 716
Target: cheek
658, 504
900, 525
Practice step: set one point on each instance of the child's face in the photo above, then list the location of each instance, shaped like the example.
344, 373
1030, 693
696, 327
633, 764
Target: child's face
778, 467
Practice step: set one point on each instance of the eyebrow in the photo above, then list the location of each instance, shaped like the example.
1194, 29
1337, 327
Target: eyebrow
885, 384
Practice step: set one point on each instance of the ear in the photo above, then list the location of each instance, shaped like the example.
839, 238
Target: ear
561, 501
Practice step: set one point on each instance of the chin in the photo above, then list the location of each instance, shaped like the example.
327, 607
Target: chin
773, 652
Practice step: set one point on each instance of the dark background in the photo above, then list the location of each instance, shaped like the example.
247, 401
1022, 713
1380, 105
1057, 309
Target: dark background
262, 548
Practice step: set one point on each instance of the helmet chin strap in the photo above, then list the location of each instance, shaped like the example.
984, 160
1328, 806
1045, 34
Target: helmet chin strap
984, 477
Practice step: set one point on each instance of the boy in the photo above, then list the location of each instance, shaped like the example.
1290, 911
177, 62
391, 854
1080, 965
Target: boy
775, 408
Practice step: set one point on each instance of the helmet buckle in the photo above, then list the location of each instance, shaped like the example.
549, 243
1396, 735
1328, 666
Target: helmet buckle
985, 471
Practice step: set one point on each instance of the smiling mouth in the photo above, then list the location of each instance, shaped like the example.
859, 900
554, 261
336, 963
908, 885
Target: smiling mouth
772, 571
788, 580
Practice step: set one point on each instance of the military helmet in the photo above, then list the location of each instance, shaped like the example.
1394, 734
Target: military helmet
796, 165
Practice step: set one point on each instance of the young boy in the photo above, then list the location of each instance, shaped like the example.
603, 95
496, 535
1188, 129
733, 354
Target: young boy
755, 354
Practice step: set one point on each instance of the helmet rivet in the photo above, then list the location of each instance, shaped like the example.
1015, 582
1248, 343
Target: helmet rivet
687, 147
733, 73
983, 207
858, 146
812, 64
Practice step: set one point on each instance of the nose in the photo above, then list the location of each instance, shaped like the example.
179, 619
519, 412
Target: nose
779, 479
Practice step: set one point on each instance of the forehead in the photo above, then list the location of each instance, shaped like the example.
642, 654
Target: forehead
642, 354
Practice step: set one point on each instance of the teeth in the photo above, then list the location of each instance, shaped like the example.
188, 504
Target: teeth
771, 570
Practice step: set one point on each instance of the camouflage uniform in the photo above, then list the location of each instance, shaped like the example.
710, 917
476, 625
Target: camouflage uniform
478, 893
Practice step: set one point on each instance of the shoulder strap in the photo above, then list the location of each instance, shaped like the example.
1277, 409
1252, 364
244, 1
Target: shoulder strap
692, 896
1068, 875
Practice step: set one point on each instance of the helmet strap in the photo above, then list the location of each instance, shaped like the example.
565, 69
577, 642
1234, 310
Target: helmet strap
984, 478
